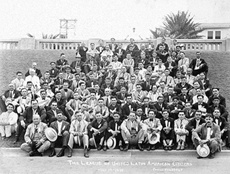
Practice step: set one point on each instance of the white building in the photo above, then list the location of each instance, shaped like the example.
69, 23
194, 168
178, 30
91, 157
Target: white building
215, 30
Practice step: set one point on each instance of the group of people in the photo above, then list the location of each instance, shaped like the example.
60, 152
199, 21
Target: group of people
111, 97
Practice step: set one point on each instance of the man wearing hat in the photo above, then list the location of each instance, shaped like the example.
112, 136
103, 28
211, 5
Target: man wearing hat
208, 133
96, 131
68, 75
152, 127
114, 132
216, 93
132, 132
78, 134
35, 139
62, 129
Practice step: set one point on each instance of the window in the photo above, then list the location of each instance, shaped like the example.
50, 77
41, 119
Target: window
210, 34
217, 34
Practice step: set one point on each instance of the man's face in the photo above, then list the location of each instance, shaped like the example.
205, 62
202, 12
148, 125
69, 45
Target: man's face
65, 86
43, 95
198, 115
189, 71
188, 106
142, 55
140, 65
100, 102
34, 65
165, 115
47, 75
138, 87
196, 85
133, 79
107, 81
215, 92
123, 69
181, 115
10, 108
36, 120
129, 99
107, 48
19, 75
123, 90
11, 87
59, 116
113, 101
166, 72
216, 113
202, 76
139, 112
79, 116
58, 95
53, 65
54, 106
107, 92
182, 55
132, 116
29, 85
82, 86
76, 96
216, 101
175, 101
24, 92
92, 46
198, 55
160, 100
96, 87
151, 115
183, 80
98, 117
92, 96
34, 104
149, 68
128, 56
121, 81
198, 91
146, 101
208, 120
116, 117
45, 86
200, 99
131, 40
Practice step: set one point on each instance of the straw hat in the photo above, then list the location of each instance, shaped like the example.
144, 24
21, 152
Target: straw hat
51, 134
111, 143
203, 151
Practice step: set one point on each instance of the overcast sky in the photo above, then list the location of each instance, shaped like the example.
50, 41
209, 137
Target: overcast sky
101, 18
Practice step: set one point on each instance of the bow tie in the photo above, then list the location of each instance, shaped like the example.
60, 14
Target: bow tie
23, 97
65, 90
150, 119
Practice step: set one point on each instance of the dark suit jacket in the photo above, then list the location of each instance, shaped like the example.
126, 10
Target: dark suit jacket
98, 49
53, 73
195, 106
110, 46
221, 122
112, 124
37, 71
223, 111
160, 109
60, 104
65, 126
27, 116
193, 63
222, 100
50, 116
165, 44
126, 111
146, 87
16, 94
121, 98
192, 124
123, 54
82, 52
170, 120
185, 98
101, 127
59, 63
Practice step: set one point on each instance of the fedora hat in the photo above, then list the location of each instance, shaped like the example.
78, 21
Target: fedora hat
153, 138
111, 143
51, 134
203, 151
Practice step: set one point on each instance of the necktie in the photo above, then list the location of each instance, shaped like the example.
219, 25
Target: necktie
101, 110
181, 125
11, 94
79, 127
139, 96
197, 123
107, 101
166, 80
36, 129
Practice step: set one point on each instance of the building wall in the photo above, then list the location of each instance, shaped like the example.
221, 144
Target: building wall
225, 33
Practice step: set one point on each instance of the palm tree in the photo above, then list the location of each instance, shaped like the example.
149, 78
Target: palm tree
159, 32
45, 36
181, 26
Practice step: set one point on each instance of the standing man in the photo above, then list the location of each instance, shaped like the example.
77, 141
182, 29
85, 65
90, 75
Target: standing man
62, 129
208, 133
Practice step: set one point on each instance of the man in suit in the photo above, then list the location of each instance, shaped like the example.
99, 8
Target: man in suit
160, 105
146, 106
139, 94
132, 46
79, 134
152, 126
66, 93
121, 96
82, 50
193, 124
200, 104
62, 129
27, 117
37, 71
164, 44
10, 93
120, 52
107, 97
167, 132
198, 65
52, 113
53, 71
216, 93
35, 140
113, 46
128, 107
184, 97
183, 63
175, 107
97, 130
213, 140
114, 107
132, 132
61, 102
62, 62
189, 112
103, 109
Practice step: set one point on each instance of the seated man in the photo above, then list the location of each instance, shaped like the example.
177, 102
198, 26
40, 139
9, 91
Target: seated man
8, 121
180, 131
167, 132
78, 134
114, 130
62, 129
37, 71
18, 82
96, 131
194, 123
128, 107
208, 133
132, 132
102, 109
35, 140
152, 128
27, 117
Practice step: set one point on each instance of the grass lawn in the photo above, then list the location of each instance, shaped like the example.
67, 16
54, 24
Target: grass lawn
12, 61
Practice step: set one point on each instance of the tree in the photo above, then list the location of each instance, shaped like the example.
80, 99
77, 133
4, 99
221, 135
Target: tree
159, 32
45, 36
180, 26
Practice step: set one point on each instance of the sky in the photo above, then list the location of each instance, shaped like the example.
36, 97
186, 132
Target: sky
101, 18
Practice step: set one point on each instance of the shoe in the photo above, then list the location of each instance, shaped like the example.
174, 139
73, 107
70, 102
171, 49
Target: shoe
53, 153
70, 152
182, 147
140, 147
35, 153
166, 148
153, 147
121, 148
16, 139
199, 157
170, 148
148, 147
3, 138
61, 153
99, 147
105, 148
211, 156
86, 153
126, 147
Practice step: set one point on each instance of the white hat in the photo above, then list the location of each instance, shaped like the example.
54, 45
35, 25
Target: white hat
51, 134
111, 143
203, 151
153, 138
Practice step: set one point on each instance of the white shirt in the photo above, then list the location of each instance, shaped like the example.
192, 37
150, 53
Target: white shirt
59, 127
116, 65
18, 84
35, 80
